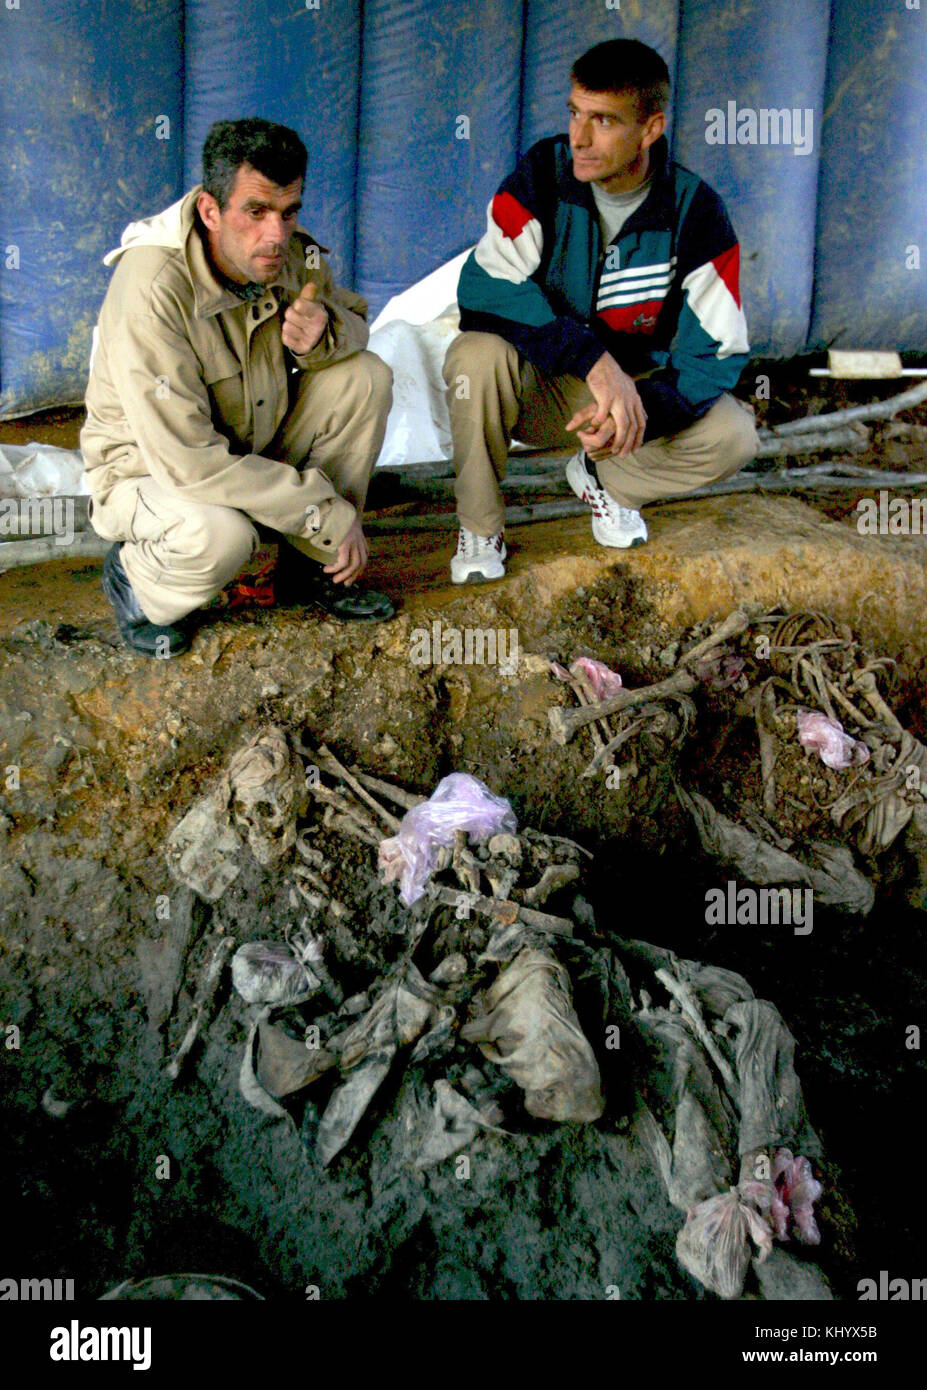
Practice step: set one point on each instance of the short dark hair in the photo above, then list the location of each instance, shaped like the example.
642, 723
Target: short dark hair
273, 150
625, 65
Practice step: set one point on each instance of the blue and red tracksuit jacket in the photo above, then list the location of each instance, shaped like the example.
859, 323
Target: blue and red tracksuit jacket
665, 295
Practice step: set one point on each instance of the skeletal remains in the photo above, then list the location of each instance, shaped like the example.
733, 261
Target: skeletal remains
813, 670
720, 1109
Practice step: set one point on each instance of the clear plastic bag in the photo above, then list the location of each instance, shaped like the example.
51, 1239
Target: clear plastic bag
458, 802
714, 1244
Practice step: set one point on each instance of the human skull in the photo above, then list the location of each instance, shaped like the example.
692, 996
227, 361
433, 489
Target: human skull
266, 794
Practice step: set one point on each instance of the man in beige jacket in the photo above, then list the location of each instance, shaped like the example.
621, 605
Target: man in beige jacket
230, 390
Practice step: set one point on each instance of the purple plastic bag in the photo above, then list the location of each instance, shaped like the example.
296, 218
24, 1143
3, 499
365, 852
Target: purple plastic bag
458, 802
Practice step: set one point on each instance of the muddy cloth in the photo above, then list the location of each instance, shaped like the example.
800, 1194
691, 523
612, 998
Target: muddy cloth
709, 1098
826, 869
267, 972
438, 1122
772, 1107
203, 851
692, 1106
285, 1064
876, 812
531, 1031
365, 1053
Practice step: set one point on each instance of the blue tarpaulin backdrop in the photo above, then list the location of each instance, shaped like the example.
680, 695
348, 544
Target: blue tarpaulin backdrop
414, 109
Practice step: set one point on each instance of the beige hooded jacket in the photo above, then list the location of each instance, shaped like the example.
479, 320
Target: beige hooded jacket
188, 383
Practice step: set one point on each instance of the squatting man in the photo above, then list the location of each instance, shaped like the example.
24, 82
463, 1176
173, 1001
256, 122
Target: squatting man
601, 307
231, 400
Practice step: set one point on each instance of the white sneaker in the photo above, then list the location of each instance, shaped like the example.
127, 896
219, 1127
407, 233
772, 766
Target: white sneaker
478, 557
611, 524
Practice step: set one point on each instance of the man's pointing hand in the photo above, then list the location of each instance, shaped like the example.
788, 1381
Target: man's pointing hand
304, 322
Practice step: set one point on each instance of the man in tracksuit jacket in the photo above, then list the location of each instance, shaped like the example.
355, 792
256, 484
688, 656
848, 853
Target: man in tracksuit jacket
601, 307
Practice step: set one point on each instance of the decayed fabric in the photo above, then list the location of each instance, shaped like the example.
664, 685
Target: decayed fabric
203, 850
876, 812
267, 972
721, 1112
693, 1108
263, 788
531, 1031
365, 1053
827, 869
772, 1107
436, 1124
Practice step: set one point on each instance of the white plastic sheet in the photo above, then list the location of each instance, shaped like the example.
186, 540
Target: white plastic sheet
412, 334
41, 470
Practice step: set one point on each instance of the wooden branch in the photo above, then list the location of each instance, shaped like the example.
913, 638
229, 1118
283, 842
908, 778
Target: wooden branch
878, 410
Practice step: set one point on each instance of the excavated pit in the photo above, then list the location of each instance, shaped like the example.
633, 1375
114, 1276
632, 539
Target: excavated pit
125, 1173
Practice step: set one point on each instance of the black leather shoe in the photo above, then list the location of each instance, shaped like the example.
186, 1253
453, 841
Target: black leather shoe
140, 634
300, 580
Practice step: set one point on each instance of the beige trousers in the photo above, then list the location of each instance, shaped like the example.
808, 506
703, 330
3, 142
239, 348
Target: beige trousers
494, 394
179, 554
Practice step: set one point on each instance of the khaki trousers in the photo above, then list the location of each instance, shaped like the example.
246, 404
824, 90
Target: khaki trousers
494, 394
179, 554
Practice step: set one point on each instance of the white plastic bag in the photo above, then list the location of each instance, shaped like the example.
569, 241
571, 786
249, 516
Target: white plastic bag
41, 470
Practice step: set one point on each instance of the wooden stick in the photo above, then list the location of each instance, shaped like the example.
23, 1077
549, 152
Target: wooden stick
878, 410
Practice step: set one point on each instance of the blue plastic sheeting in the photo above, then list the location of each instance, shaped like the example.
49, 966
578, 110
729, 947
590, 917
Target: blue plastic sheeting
556, 35
285, 62
744, 72
413, 110
91, 112
438, 129
871, 283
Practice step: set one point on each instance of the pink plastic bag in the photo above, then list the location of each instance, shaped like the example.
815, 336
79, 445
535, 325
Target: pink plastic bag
828, 738
798, 1190
601, 679
458, 802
